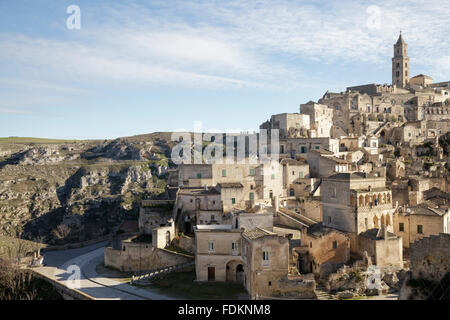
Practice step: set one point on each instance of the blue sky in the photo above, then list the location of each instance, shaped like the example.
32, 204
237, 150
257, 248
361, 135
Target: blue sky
137, 67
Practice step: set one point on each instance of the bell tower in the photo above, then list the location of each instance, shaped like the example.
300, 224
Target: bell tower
400, 63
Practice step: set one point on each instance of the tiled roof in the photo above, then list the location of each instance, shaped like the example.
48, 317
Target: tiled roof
374, 234
257, 233
347, 176
424, 210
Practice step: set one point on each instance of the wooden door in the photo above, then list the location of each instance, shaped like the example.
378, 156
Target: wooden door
211, 273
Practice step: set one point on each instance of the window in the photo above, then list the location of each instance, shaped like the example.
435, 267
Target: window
293, 173
273, 176
302, 149
334, 193
252, 171
310, 244
419, 229
212, 217
233, 200
252, 196
234, 246
270, 194
265, 258
329, 220
291, 192
251, 187
334, 244
300, 174
224, 172
210, 246
199, 175
401, 227
317, 147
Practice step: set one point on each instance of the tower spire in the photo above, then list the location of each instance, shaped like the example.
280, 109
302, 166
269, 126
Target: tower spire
400, 63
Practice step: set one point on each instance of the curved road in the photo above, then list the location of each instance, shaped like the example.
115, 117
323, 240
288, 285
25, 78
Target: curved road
64, 265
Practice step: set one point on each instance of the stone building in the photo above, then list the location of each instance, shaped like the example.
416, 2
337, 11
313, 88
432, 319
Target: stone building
356, 203
260, 182
324, 164
154, 214
382, 246
218, 255
290, 125
415, 222
321, 118
421, 80
300, 146
266, 257
400, 63
320, 246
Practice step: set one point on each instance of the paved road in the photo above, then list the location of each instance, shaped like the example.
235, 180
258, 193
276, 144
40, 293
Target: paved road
57, 266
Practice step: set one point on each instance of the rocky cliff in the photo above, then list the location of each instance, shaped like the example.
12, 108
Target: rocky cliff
59, 191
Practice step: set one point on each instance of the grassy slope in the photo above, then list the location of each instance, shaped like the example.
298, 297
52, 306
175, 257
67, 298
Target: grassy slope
34, 140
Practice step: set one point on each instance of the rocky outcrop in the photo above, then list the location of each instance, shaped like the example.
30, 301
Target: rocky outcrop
370, 280
89, 185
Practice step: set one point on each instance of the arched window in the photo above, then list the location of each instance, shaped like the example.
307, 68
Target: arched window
388, 220
383, 222
367, 200
388, 198
375, 221
383, 200
361, 201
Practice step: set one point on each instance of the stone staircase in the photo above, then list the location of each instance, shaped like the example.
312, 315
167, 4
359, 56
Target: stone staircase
146, 276
322, 293
375, 132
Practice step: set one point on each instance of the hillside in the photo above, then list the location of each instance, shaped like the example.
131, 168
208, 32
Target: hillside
56, 191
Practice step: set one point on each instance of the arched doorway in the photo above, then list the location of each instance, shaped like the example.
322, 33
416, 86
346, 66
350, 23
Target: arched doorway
240, 273
235, 271
167, 238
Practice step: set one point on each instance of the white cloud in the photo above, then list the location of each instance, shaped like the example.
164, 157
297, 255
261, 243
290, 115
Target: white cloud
231, 44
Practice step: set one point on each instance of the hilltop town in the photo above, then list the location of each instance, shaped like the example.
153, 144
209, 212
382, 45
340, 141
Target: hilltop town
361, 188
357, 205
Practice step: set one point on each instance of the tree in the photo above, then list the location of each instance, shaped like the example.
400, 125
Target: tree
61, 231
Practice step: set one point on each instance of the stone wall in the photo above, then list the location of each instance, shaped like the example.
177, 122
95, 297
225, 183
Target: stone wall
142, 257
187, 243
163, 236
430, 257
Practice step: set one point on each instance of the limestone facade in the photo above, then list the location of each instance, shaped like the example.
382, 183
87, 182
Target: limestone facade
416, 222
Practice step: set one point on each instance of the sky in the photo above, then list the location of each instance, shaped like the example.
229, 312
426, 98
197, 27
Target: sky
136, 67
